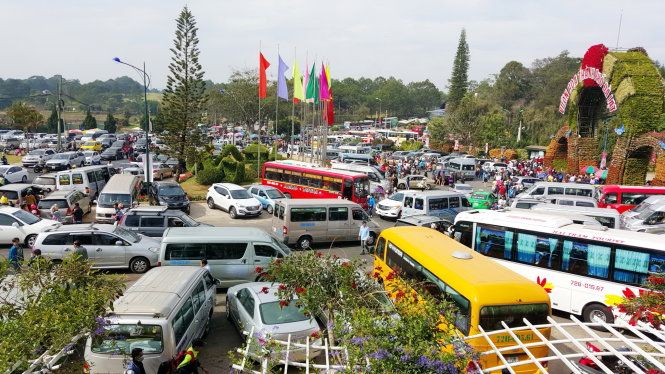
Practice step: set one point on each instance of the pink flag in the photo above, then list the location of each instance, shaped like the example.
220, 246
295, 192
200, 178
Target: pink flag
324, 90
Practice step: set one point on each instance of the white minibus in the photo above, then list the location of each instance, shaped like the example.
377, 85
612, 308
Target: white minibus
161, 313
92, 177
121, 188
579, 266
543, 189
376, 178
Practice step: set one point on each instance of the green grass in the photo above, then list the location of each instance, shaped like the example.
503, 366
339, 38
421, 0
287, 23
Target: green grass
193, 188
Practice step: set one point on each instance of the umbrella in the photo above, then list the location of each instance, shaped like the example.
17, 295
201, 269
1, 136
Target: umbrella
602, 174
590, 169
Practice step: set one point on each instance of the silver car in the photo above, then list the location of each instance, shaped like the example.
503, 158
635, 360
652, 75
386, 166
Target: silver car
65, 200
256, 305
107, 246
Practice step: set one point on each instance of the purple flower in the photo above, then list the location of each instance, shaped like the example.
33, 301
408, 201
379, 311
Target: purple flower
379, 355
359, 340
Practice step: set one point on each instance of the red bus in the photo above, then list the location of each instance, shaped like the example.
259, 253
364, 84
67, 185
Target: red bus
304, 180
623, 198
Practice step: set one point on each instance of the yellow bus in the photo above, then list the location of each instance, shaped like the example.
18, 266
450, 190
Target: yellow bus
484, 292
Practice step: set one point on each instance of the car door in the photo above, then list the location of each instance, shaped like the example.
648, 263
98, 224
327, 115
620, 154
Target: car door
339, 227
264, 253
7, 230
109, 249
231, 262
246, 310
153, 225
223, 198
85, 238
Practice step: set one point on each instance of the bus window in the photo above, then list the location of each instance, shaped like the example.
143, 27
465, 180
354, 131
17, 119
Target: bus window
513, 315
555, 190
538, 191
64, 180
361, 187
630, 198
418, 204
438, 203
494, 242
308, 214
611, 198
454, 202
539, 251
586, 259
380, 248
634, 266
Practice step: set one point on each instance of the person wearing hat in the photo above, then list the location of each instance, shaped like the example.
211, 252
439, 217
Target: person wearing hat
135, 366
190, 364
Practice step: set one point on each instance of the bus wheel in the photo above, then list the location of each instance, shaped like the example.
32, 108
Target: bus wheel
593, 311
304, 242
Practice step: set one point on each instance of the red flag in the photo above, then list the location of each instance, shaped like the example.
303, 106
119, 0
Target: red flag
330, 110
263, 85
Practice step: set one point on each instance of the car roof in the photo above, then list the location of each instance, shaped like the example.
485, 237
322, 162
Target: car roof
263, 187
16, 186
166, 183
228, 186
59, 194
421, 219
200, 234
571, 197
256, 287
82, 227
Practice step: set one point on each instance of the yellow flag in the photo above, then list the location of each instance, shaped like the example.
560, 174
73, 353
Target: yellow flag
328, 76
298, 93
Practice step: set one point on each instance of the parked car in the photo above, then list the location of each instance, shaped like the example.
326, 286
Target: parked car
16, 192
13, 174
161, 171
154, 220
415, 182
466, 189
92, 158
436, 223
111, 153
267, 195
108, 246
65, 201
482, 200
92, 146
252, 309
168, 194
45, 182
233, 199
106, 142
17, 223
65, 160
37, 157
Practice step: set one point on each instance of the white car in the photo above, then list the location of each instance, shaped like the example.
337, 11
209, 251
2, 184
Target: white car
466, 189
390, 207
92, 157
14, 174
37, 157
233, 199
17, 223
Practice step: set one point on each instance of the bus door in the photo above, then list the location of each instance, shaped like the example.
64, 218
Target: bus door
347, 191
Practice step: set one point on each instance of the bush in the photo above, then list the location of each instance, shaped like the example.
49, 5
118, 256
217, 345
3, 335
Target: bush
251, 150
410, 145
231, 150
510, 154
522, 153
210, 175
495, 153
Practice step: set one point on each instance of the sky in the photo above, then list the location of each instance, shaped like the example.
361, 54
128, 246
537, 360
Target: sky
411, 40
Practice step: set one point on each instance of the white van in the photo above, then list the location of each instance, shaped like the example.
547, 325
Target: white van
92, 177
121, 188
655, 199
306, 221
650, 219
464, 167
609, 218
442, 204
161, 313
376, 178
543, 189
233, 253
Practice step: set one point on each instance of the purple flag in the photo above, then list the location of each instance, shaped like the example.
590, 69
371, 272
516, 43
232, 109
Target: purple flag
282, 92
323, 84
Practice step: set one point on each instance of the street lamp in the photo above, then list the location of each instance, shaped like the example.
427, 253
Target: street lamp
379, 116
146, 83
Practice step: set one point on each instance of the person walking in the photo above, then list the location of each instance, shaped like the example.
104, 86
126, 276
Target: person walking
13, 255
190, 364
79, 252
371, 202
135, 366
77, 214
204, 264
363, 234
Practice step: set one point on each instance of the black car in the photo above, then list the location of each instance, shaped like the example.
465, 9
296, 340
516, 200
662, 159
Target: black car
111, 154
168, 194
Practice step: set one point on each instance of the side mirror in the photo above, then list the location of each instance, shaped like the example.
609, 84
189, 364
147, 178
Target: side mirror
15, 225
119, 243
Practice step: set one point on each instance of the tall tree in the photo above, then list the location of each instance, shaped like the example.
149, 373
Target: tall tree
184, 96
513, 85
459, 80
52, 121
89, 122
24, 116
111, 124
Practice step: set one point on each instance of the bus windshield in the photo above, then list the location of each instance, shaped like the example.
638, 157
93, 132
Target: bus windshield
361, 187
513, 315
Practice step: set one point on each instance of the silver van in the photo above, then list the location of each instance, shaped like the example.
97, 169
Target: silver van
650, 219
609, 218
465, 168
306, 221
121, 188
443, 204
543, 189
655, 199
90, 178
162, 313
233, 253
569, 200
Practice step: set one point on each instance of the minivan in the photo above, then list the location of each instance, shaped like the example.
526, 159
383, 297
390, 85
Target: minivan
465, 168
609, 218
121, 188
154, 220
656, 199
233, 253
90, 179
443, 204
543, 189
376, 177
162, 313
650, 219
306, 221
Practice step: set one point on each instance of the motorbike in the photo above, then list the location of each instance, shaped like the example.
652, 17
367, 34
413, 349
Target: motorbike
588, 366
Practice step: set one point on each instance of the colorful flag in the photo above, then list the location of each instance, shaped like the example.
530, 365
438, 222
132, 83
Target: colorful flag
312, 87
323, 84
298, 94
263, 83
329, 79
330, 110
282, 91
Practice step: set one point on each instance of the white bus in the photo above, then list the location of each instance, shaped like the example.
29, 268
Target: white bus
580, 266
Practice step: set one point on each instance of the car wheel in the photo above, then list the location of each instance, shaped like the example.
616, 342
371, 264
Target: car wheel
211, 203
139, 265
232, 213
401, 186
428, 186
592, 311
371, 240
304, 242
30, 240
24, 179
269, 209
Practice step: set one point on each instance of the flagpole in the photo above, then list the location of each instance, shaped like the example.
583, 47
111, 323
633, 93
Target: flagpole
293, 102
258, 135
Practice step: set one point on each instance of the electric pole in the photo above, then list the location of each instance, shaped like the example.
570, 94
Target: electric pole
58, 109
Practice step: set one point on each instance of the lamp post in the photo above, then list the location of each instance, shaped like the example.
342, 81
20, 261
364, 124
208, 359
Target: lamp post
379, 116
146, 83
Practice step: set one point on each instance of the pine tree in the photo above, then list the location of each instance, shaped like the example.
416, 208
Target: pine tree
52, 122
111, 124
184, 95
459, 80
89, 122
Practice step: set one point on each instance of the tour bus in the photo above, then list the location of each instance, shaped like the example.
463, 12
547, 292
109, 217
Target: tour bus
484, 293
304, 180
357, 158
465, 168
376, 177
580, 266
94, 178
623, 198
162, 313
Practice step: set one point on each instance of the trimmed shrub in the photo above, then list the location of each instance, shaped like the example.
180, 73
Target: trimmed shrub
251, 150
210, 176
495, 153
233, 151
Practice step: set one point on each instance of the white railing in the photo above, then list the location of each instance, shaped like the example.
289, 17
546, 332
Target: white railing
47, 362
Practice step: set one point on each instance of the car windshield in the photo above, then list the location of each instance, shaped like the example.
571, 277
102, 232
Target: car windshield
273, 313
645, 213
282, 246
491, 317
61, 156
26, 217
240, 194
47, 204
189, 221
91, 143
121, 339
126, 235
275, 194
88, 153
479, 196
361, 187
44, 181
397, 197
106, 200
171, 190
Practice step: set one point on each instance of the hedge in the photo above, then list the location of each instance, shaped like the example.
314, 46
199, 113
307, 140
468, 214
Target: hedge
251, 150
210, 176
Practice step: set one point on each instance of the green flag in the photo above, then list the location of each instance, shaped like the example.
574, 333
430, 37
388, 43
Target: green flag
312, 93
